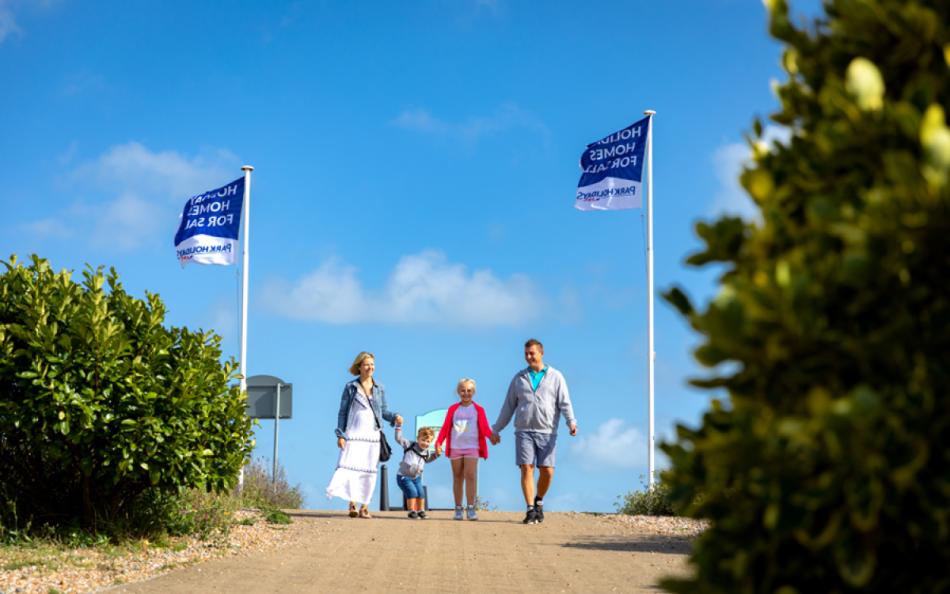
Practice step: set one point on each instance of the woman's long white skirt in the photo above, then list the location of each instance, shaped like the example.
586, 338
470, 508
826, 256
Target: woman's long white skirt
355, 475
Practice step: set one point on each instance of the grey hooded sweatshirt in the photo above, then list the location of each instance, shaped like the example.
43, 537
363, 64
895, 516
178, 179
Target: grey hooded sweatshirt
539, 410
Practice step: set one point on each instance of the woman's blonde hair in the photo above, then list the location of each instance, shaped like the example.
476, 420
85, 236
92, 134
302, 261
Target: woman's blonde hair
355, 367
466, 380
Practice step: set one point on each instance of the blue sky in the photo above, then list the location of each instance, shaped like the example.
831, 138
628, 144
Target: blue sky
415, 167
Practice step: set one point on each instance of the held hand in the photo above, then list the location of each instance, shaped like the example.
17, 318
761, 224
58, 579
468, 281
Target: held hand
398, 421
573, 428
495, 438
438, 450
340, 442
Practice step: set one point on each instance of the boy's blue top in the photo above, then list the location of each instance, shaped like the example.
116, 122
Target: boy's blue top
536, 377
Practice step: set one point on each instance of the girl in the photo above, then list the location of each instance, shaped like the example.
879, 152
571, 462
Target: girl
464, 433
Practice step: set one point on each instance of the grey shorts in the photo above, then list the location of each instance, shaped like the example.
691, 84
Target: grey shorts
535, 448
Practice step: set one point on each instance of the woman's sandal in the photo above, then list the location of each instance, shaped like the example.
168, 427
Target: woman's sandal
364, 512
353, 513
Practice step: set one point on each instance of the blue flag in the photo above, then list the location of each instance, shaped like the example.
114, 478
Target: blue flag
613, 170
208, 233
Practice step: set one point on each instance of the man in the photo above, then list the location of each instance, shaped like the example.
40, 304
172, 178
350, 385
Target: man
537, 396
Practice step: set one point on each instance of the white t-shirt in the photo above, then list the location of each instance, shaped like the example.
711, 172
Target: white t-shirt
465, 428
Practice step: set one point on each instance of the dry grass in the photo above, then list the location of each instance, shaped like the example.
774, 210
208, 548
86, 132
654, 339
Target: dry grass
44, 567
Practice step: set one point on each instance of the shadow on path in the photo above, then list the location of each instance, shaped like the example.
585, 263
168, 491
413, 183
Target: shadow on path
628, 544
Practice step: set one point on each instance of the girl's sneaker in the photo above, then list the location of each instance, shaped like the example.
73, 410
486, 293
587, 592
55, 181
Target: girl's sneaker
458, 513
422, 514
413, 514
470, 513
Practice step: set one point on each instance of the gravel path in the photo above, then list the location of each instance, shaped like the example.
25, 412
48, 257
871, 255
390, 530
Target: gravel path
330, 552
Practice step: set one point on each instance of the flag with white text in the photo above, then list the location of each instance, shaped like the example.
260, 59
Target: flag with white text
613, 170
210, 222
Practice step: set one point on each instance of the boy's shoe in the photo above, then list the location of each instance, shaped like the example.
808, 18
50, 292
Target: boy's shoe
458, 513
413, 514
422, 514
470, 513
538, 510
531, 517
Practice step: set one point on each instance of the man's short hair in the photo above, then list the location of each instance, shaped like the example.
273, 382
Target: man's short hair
532, 342
427, 432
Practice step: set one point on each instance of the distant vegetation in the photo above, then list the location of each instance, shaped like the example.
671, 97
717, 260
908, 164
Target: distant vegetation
649, 501
826, 467
260, 491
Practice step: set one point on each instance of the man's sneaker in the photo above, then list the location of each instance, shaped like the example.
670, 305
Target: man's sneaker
422, 514
458, 513
470, 513
539, 510
413, 514
531, 517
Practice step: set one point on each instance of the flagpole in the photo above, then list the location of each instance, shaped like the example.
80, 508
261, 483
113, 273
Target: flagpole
244, 281
651, 355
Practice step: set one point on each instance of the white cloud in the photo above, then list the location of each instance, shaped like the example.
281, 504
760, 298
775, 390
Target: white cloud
422, 288
132, 167
613, 445
49, 227
729, 160
8, 24
133, 194
565, 502
507, 117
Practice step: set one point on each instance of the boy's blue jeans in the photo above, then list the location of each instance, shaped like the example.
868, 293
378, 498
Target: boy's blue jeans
411, 487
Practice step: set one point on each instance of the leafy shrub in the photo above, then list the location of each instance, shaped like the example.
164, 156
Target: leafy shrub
827, 470
651, 501
260, 491
204, 514
275, 516
105, 412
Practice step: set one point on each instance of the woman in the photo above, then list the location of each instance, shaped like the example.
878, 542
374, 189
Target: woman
362, 409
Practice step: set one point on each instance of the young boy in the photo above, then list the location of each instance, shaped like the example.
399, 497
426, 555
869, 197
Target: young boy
409, 477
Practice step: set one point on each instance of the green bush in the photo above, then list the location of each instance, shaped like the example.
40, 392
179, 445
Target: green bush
262, 492
650, 501
826, 468
104, 411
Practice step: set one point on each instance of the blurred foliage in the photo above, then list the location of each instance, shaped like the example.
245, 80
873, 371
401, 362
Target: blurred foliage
824, 469
106, 415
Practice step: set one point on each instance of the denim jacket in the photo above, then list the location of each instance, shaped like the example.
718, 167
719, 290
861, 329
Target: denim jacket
378, 403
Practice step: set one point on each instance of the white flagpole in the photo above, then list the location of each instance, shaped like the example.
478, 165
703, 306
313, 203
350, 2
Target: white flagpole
651, 355
244, 277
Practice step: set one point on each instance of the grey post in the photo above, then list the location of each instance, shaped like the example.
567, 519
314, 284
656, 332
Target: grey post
276, 433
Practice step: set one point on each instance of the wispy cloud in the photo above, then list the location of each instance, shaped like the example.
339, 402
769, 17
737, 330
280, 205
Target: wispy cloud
422, 288
729, 161
49, 227
83, 81
613, 445
473, 128
133, 167
8, 24
133, 194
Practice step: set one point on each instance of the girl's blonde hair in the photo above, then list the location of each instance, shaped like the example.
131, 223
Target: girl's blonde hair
355, 367
465, 380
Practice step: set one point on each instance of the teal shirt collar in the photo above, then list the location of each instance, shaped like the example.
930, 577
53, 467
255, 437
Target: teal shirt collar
536, 377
